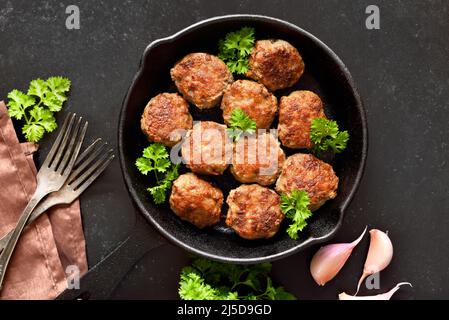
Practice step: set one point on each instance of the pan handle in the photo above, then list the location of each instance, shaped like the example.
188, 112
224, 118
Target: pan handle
101, 280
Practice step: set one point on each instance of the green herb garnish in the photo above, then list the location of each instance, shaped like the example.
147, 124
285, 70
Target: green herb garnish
155, 158
240, 123
325, 136
295, 206
235, 49
210, 280
38, 105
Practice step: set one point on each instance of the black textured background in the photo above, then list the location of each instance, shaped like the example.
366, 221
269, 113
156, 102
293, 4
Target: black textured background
402, 73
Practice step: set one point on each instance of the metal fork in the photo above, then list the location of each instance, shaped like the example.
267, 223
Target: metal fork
51, 177
95, 159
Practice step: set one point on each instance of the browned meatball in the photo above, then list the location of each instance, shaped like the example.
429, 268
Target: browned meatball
196, 201
308, 173
165, 118
254, 99
257, 158
207, 148
296, 112
254, 212
275, 63
201, 78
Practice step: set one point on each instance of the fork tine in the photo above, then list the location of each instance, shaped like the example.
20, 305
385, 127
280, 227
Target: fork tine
89, 171
62, 146
86, 152
79, 169
94, 176
62, 132
76, 149
69, 146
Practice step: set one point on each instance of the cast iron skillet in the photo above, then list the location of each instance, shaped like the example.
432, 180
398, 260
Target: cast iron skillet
325, 74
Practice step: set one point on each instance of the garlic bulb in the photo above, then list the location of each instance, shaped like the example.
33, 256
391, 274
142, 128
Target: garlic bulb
380, 253
329, 260
383, 296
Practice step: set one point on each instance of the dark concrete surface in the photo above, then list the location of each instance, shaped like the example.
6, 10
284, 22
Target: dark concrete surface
402, 73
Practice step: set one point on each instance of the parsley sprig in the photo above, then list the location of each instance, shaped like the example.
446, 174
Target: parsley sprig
240, 123
295, 206
235, 49
155, 158
210, 280
36, 108
325, 135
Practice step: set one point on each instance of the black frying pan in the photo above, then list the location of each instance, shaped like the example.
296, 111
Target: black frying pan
325, 74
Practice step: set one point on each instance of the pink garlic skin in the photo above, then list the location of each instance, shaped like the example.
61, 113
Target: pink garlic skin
383, 296
380, 253
328, 260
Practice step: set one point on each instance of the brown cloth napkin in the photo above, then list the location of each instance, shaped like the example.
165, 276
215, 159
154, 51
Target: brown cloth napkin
38, 267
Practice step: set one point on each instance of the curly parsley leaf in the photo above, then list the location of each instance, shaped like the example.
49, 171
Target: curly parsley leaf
144, 165
281, 294
38, 88
239, 64
240, 123
235, 49
18, 102
192, 287
52, 102
172, 175
36, 108
295, 206
325, 135
59, 86
210, 280
56, 96
155, 158
158, 193
44, 118
33, 132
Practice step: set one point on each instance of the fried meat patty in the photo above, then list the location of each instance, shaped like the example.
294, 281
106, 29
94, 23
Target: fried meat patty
308, 173
254, 99
296, 112
254, 212
201, 78
196, 200
275, 63
165, 118
257, 158
207, 148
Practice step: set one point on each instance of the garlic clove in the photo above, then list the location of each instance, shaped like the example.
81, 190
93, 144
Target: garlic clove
379, 256
328, 260
383, 296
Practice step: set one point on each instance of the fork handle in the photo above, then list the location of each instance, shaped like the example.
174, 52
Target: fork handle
7, 253
49, 202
